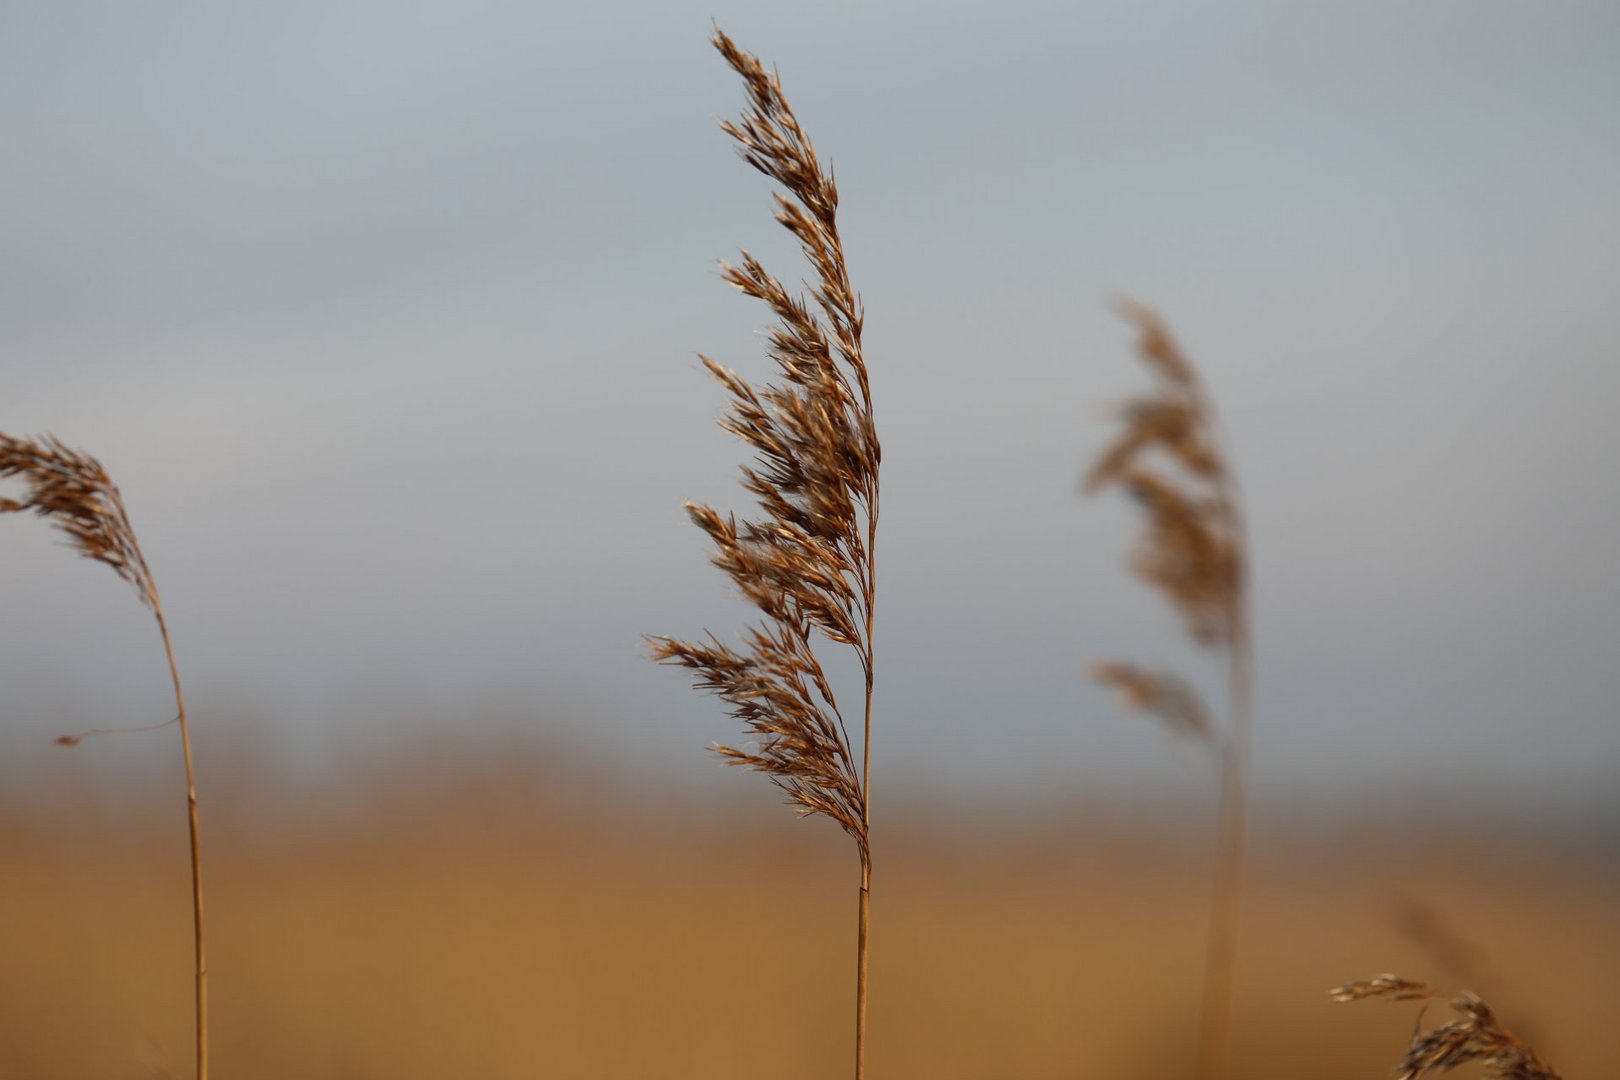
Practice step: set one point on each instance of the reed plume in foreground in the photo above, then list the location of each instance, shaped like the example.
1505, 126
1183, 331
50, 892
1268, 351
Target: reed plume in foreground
807, 562
1477, 1036
74, 493
1168, 456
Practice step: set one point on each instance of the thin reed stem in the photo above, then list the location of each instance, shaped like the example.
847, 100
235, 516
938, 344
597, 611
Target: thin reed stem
199, 938
865, 926
1220, 965
866, 803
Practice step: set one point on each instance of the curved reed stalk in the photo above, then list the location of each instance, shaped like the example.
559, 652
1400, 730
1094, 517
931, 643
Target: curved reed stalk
1477, 1036
1168, 456
75, 494
807, 562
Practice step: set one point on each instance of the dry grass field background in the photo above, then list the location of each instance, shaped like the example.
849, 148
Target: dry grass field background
491, 918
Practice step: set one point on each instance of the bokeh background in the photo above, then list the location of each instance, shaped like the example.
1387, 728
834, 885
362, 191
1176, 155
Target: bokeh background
385, 318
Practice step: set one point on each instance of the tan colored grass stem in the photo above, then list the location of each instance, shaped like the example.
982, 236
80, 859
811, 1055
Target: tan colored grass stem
199, 937
1220, 966
869, 583
861, 967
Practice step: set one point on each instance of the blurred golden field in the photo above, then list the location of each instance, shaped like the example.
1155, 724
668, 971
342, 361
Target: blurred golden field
481, 919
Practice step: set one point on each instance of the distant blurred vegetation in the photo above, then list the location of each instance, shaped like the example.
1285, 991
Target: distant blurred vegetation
510, 915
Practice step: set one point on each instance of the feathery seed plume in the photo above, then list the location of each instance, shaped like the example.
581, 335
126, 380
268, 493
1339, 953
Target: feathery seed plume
806, 564
1476, 1036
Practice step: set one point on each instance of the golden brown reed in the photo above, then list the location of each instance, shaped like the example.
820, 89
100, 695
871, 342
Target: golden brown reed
73, 491
807, 564
1168, 457
1477, 1036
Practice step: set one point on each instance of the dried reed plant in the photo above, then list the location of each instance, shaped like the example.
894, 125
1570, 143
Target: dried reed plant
807, 562
73, 491
1477, 1036
1168, 456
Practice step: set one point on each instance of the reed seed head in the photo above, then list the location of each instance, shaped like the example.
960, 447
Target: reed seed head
1167, 458
1477, 1035
806, 561
73, 491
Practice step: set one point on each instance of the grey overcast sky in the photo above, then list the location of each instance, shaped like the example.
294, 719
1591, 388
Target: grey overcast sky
385, 318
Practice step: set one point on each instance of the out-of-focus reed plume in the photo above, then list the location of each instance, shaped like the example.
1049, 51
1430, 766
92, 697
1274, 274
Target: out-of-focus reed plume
73, 491
807, 562
1160, 693
1168, 456
1477, 1036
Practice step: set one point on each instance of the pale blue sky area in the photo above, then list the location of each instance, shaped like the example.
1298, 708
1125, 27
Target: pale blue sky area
385, 317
